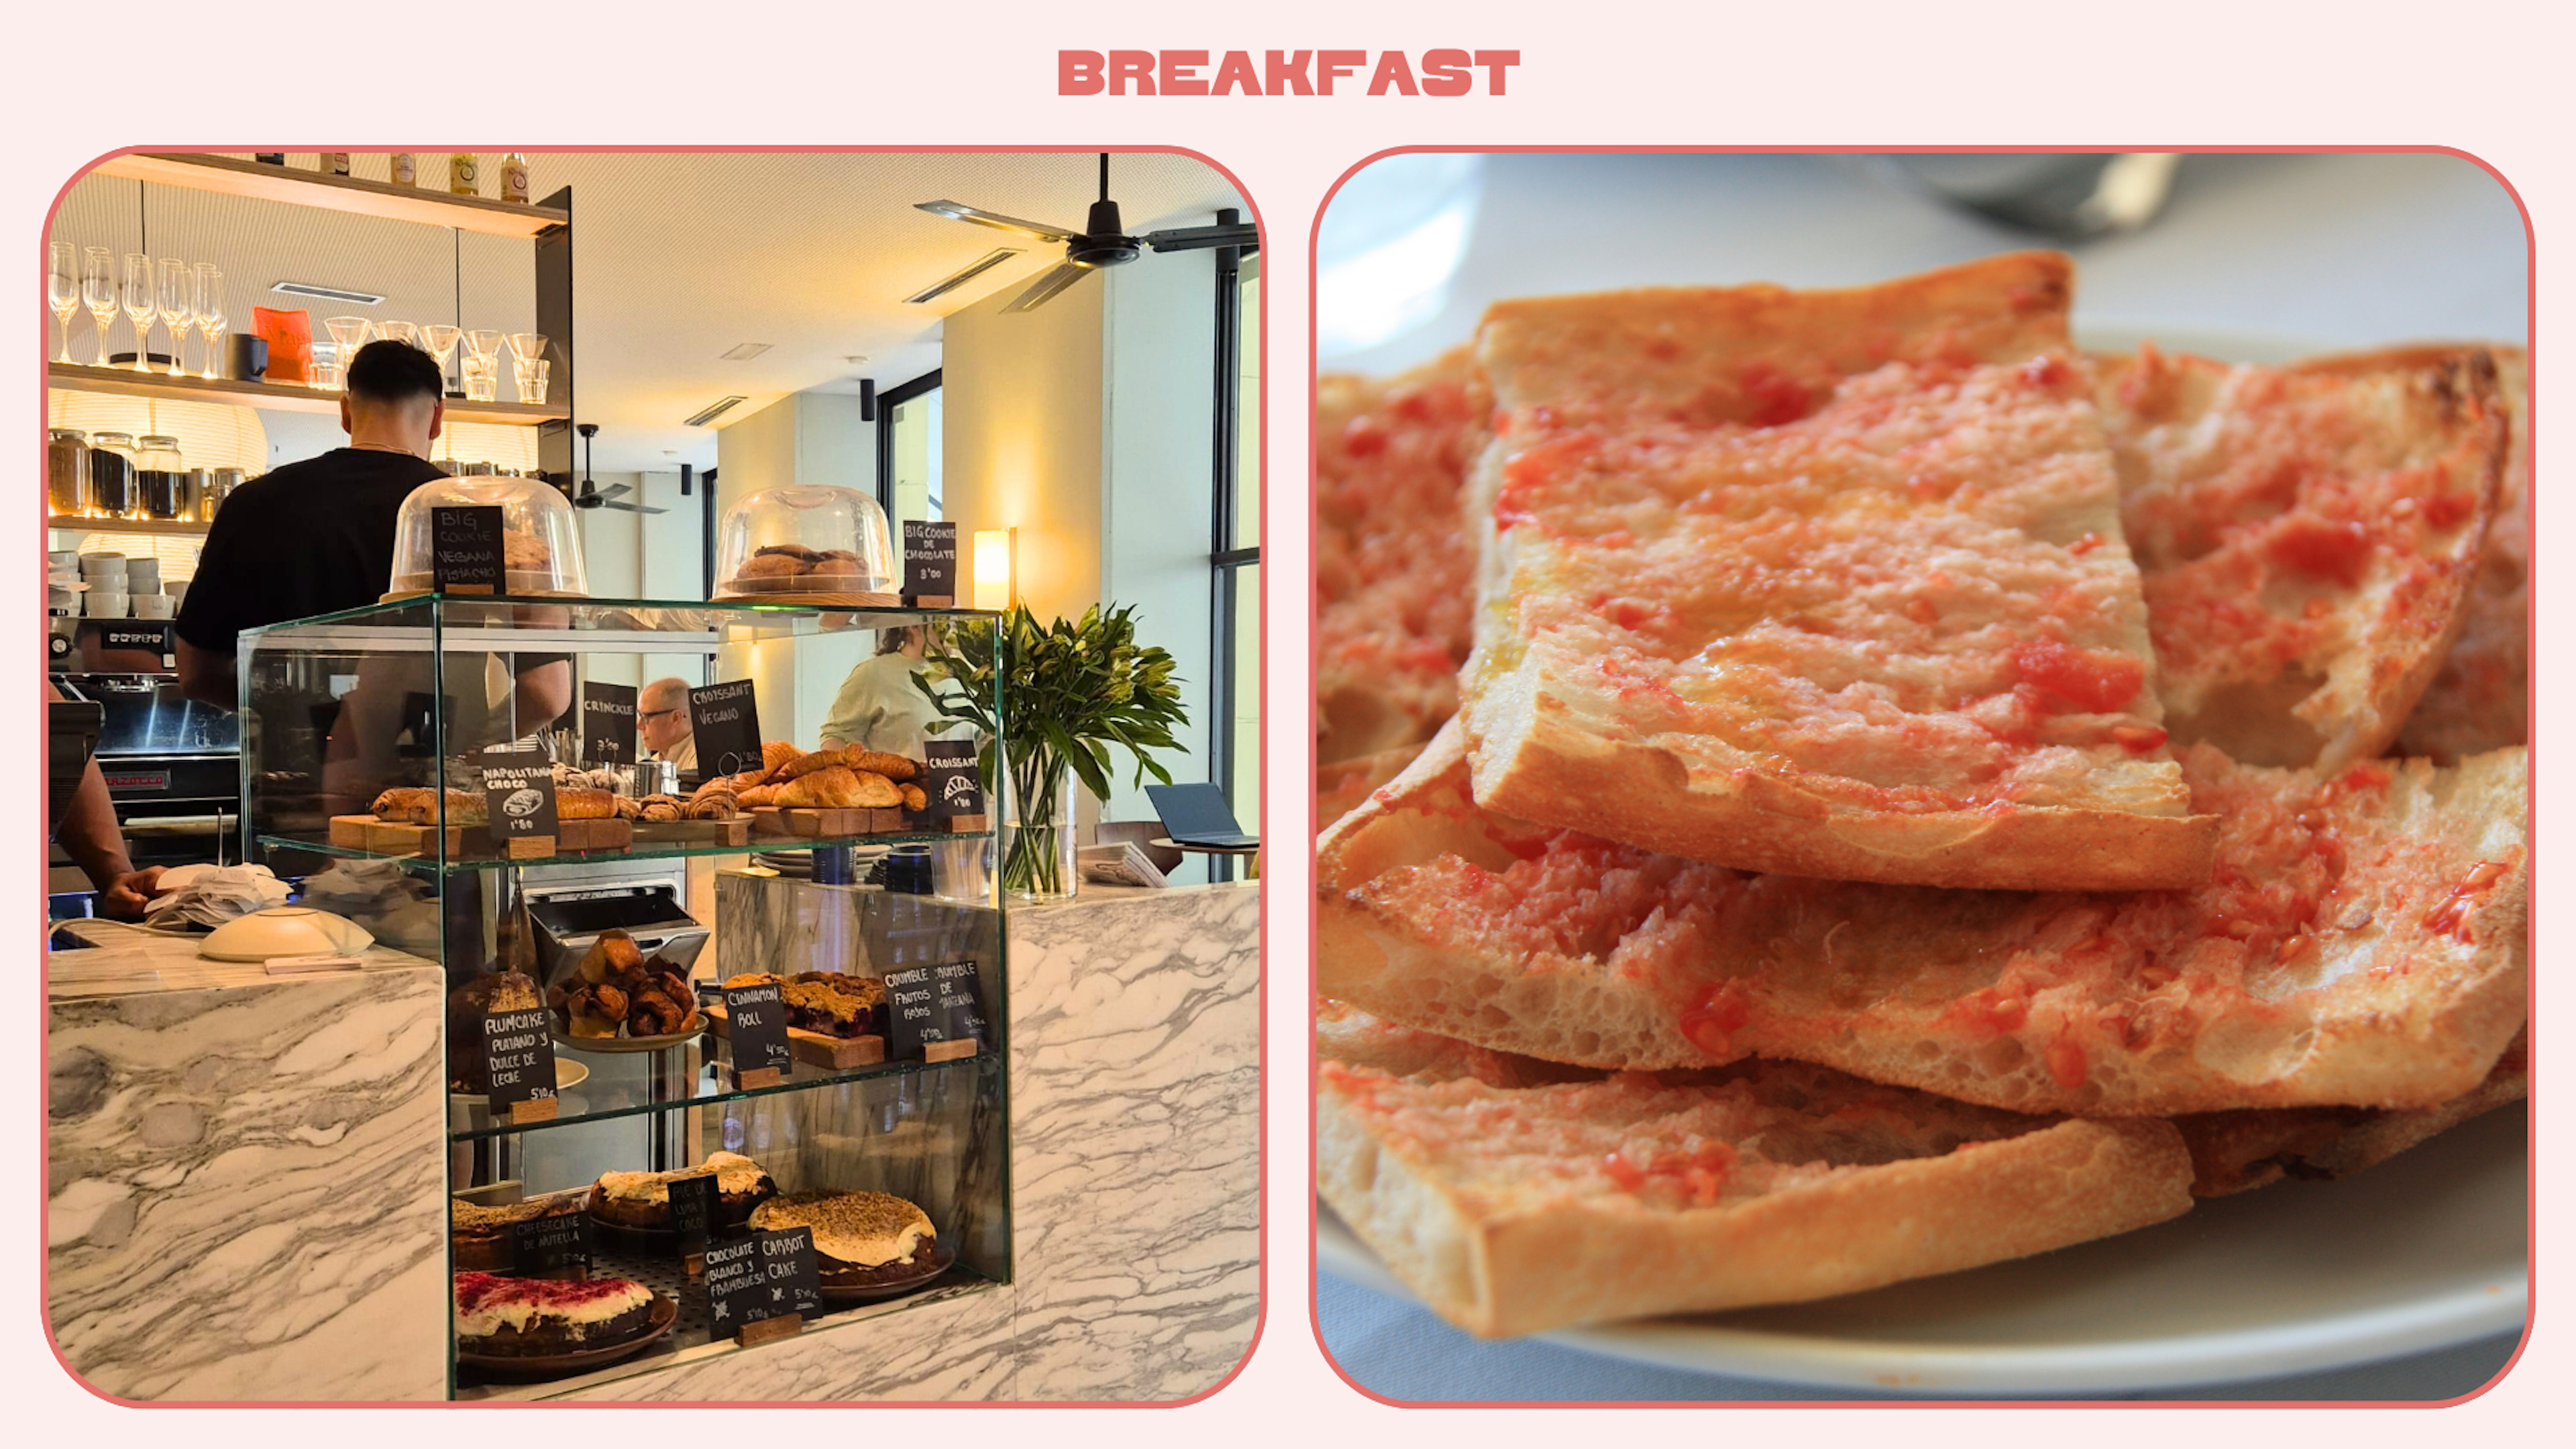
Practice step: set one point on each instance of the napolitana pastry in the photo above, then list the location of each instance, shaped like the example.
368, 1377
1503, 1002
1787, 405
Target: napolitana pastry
643, 1199
860, 1238
542, 1317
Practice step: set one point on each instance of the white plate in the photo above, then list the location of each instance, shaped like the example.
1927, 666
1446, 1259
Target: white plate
2424, 1252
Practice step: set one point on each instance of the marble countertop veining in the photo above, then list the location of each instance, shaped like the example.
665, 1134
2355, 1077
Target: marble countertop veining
1095, 894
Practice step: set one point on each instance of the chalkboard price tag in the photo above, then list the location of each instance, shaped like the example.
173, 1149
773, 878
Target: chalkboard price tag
952, 781
760, 1278
518, 1060
465, 549
724, 723
519, 801
551, 1247
756, 1031
693, 1211
608, 723
935, 1012
929, 563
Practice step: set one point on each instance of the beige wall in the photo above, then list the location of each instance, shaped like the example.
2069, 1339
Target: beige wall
1021, 437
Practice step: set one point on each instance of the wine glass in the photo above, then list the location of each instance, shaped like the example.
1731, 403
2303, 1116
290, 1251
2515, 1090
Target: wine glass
138, 307
440, 340
483, 344
62, 288
404, 332
178, 287
98, 292
210, 315
351, 334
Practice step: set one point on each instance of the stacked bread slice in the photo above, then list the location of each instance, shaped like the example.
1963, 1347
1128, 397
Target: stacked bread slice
1882, 714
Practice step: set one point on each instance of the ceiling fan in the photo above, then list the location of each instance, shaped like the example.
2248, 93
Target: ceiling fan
591, 495
1102, 241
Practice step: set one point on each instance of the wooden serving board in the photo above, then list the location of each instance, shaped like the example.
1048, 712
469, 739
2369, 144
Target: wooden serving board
736, 831
826, 823
816, 1049
393, 837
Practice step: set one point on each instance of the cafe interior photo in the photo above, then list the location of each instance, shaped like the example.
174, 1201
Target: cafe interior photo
652, 770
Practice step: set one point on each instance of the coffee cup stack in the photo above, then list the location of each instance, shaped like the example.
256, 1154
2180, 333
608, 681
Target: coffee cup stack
109, 596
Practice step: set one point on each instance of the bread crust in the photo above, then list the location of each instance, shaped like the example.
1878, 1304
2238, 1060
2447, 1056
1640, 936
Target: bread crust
2045, 1003
1624, 686
2234, 1152
1562, 1247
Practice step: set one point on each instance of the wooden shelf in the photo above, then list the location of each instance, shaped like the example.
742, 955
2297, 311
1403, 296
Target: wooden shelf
230, 176
126, 382
173, 528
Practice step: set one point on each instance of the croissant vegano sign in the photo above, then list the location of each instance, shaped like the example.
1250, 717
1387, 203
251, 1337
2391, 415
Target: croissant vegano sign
1282, 72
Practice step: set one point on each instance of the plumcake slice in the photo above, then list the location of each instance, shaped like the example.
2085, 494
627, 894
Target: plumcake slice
1820, 583
1515, 1204
2310, 538
1393, 569
2361, 942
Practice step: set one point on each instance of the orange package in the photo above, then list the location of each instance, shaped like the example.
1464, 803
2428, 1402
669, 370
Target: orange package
290, 343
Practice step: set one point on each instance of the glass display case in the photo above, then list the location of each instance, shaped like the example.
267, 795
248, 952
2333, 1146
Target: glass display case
808, 542
540, 538
381, 749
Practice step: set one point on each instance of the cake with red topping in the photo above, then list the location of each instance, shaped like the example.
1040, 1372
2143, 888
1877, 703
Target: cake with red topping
541, 1317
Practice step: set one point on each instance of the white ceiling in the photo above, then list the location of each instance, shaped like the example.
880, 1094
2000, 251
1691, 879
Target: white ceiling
678, 257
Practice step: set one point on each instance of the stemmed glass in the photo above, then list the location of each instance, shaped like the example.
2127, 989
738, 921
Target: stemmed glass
177, 288
440, 340
138, 307
351, 334
98, 292
62, 288
209, 307
529, 348
399, 332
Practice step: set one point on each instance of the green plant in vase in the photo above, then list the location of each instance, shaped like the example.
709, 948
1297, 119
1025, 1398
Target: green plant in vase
1071, 693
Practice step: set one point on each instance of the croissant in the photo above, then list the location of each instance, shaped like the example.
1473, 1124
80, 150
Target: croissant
719, 806
893, 767
804, 765
658, 814
914, 799
840, 788
757, 796
629, 808
776, 755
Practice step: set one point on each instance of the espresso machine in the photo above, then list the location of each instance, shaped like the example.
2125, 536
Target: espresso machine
172, 765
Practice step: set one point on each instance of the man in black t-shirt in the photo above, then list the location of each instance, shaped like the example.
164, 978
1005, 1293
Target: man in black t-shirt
317, 536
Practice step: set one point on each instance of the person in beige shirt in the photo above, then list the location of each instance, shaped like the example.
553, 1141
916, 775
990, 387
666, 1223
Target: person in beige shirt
662, 722
879, 707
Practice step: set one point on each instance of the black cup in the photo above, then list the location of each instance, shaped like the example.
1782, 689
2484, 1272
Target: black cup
249, 357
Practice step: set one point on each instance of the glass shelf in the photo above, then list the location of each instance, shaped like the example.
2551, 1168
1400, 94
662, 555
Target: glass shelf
673, 850
592, 1102
586, 626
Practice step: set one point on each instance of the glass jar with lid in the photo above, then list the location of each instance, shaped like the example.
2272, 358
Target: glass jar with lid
807, 544
111, 476
540, 538
67, 473
160, 475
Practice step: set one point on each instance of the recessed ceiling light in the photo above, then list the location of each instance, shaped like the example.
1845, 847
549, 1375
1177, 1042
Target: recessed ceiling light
968, 273
328, 294
854, 359
746, 352
714, 410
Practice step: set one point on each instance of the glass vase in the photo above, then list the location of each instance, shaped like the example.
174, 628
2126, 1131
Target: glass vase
1038, 834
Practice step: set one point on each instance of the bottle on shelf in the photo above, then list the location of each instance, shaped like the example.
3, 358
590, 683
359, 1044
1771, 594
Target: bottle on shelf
332, 163
514, 177
406, 169
269, 158
465, 174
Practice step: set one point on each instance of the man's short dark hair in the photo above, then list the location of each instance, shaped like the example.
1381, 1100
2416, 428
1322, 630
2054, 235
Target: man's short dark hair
387, 371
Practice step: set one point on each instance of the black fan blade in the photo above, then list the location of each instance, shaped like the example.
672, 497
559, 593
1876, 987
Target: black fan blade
1065, 275
960, 211
616, 490
1199, 238
633, 508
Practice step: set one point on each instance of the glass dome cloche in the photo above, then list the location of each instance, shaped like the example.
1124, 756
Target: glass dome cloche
540, 539
807, 543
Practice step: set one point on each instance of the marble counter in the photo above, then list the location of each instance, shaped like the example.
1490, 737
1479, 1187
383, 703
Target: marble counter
244, 1175
274, 1147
